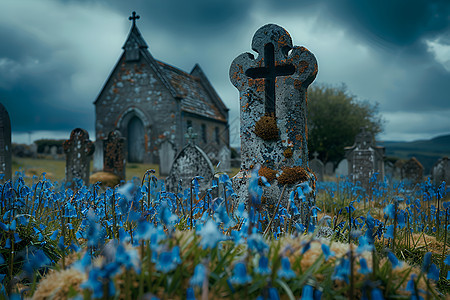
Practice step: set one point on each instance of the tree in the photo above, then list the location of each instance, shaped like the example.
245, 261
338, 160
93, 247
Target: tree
335, 117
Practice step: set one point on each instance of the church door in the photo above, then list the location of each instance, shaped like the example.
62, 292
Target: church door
136, 147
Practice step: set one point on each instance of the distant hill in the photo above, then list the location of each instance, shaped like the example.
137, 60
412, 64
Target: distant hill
426, 151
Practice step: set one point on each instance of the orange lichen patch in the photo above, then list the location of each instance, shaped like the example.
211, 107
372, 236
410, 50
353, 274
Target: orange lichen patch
268, 173
293, 175
259, 83
298, 137
302, 66
297, 84
288, 153
115, 90
266, 128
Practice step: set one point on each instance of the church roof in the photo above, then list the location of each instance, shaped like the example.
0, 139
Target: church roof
195, 97
194, 90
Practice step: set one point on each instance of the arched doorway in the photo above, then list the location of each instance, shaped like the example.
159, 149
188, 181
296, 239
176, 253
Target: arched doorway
135, 134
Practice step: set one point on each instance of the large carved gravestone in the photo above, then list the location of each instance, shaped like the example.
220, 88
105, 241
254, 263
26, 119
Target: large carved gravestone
167, 154
316, 165
79, 150
225, 159
412, 171
365, 159
5, 144
441, 171
273, 89
190, 162
114, 156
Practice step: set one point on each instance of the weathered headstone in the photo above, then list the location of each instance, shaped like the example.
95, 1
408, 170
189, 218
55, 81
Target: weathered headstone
365, 159
167, 154
273, 89
114, 157
79, 150
412, 171
5, 144
316, 165
54, 152
441, 171
190, 162
342, 168
225, 159
98, 156
329, 168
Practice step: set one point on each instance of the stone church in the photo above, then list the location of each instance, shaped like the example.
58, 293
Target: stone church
151, 102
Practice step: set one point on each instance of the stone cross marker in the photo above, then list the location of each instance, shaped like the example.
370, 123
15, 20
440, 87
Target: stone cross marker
317, 167
114, 158
5, 144
79, 150
273, 89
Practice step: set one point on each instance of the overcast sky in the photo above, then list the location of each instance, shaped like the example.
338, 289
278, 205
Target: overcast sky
56, 55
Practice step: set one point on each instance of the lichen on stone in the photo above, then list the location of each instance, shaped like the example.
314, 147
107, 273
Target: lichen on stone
293, 175
288, 152
266, 128
268, 173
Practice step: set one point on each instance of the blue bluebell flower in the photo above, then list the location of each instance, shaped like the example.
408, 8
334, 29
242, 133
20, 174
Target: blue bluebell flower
286, 272
376, 294
327, 252
342, 270
240, 275
393, 259
365, 244
210, 234
36, 260
273, 294
433, 272
447, 260
389, 233
263, 266
190, 295
426, 262
364, 269
165, 262
256, 242
199, 275
307, 292
389, 210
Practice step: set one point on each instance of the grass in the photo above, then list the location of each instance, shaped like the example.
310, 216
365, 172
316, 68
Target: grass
55, 168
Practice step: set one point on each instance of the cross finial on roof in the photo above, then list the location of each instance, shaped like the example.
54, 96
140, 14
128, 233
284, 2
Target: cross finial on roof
190, 135
134, 17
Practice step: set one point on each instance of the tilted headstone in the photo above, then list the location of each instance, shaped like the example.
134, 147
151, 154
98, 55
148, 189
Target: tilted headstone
329, 168
225, 159
316, 165
190, 162
5, 144
114, 157
54, 152
273, 89
412, 171
79, 150
342, 168
441, 171
167, 154
365, 159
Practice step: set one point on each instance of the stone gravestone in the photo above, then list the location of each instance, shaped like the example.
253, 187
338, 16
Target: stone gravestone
98, 156
190, 162
273, 89
412, 171
316, 165
114, 158
167, 154
5, 144
342, 168
225, 159
329, 168
79, 150
365, 159
441, 171
54, 152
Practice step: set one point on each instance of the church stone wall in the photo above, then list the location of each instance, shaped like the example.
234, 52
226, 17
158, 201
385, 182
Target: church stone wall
135, 90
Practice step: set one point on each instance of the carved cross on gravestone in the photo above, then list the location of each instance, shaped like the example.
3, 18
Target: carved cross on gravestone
79, 150
273, 89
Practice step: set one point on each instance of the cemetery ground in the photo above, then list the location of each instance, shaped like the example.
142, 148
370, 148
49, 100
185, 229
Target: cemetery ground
55, 168
135, 242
